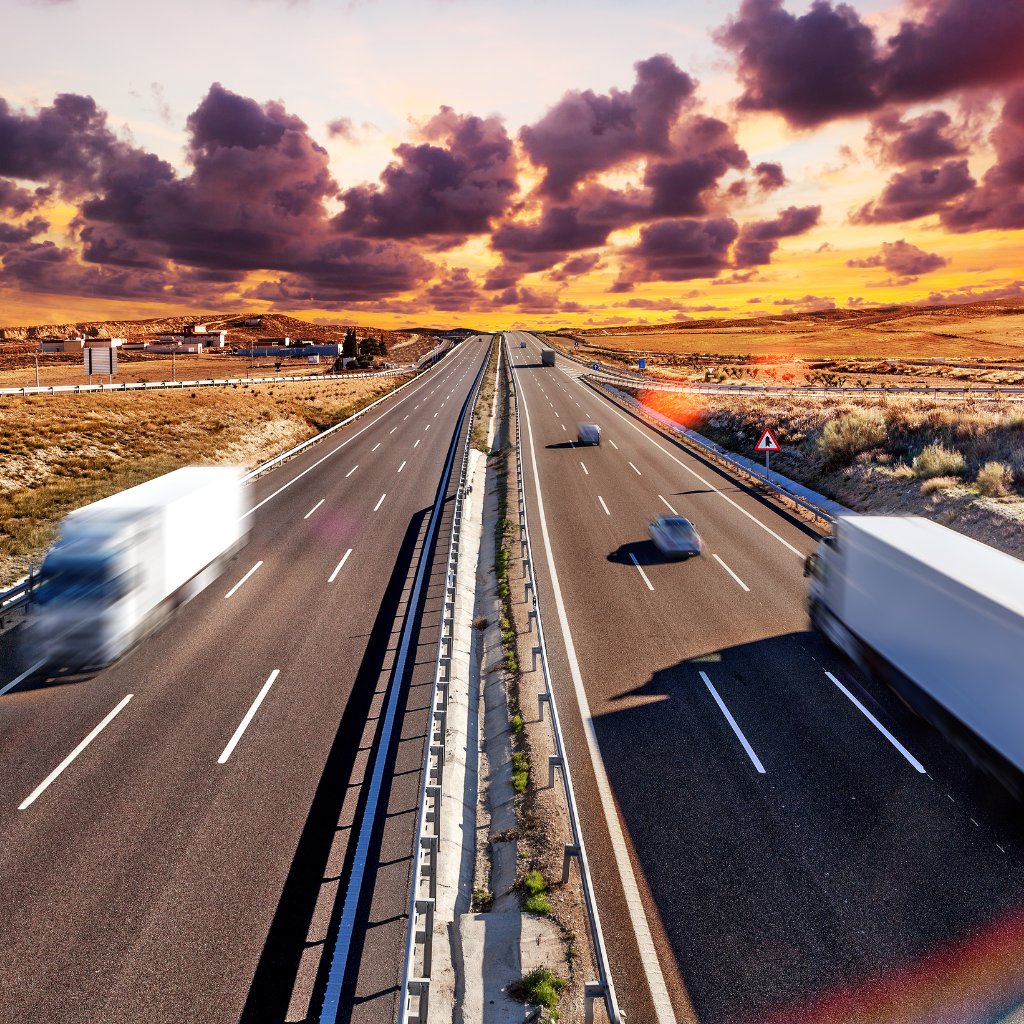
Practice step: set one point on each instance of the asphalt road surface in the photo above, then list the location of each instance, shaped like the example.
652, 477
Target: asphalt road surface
791, 861
184, 865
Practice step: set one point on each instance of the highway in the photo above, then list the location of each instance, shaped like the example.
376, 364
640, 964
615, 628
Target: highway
773, 837
185, 864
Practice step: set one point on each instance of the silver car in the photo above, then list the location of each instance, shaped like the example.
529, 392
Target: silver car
676, 538
588, 433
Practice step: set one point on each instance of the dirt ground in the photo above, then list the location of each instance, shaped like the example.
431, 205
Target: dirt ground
59, 453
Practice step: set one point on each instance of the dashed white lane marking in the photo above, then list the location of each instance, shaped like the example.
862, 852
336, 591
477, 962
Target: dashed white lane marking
24, 675
878, 725
637, 914
612, 443
376, 446
31, 798
249, 715
603, 505
585, 470
314, 508
669, 507
563, 426
339, 565
401, 467
732, 721
650, 586
427, 427
417, 443
393, 429
731, 573
381, 502
351, 471
243, 579
635, 470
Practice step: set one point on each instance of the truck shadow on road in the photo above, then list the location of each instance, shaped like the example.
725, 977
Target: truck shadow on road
840, 873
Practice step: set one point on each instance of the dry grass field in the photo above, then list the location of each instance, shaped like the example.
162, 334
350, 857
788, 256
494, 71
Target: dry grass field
961, 464
58, 453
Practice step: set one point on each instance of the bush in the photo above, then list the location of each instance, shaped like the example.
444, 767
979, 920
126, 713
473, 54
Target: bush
520, 772
539, 987
994, 479
845, 438
539, 904
517, 724
937, 460
534, 883
938, 483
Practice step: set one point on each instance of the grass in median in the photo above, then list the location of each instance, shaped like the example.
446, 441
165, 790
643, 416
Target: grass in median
61, 452
540, 988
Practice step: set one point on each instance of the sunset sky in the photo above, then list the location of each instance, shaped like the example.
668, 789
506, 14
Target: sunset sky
469, 162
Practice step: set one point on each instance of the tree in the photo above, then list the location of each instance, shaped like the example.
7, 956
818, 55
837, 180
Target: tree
382, 349
348, 348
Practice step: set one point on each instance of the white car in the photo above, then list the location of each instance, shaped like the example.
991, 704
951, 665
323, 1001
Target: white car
676, 538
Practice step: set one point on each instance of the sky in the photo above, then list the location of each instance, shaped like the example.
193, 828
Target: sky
403, 163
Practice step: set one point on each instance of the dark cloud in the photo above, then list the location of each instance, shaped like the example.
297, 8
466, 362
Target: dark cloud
585, 133
912, 194
576, 267
455, 292
759, 239
16, 234
20, 200
903, 259
342, 126
923, 139
808, 304
447, 191
680, 250
541, 245
828, 64
769, 176
962, 296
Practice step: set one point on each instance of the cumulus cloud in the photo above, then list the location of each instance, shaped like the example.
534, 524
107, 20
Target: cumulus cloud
903, 259
923, 139
759, 239
808, 304
681, 250
912, 194
769, 176
345, 128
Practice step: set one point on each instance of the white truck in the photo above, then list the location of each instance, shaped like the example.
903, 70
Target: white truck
939, 618
125, 562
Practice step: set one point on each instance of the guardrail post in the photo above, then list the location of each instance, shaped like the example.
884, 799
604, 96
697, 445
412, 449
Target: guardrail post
536, 651
426, 937
554, 761
542, 699
571, 850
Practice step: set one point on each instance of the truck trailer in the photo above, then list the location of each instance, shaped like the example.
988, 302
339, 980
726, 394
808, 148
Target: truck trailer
123, 563
547, 357
937, 617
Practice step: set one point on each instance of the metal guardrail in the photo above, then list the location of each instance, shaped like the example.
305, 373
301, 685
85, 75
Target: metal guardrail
714, 450
416, 983
603, 989
163, 385
18, 596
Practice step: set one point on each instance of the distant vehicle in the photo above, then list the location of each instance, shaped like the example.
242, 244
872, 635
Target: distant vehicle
547, 357
123, 563
588, 433
676, 538
937, 617
522, 344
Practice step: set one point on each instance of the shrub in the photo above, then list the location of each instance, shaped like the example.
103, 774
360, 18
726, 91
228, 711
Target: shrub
539, 904
517, 724
938, 483
937, 460
845, 437
520, 772
540, 987
994, 479
534, 883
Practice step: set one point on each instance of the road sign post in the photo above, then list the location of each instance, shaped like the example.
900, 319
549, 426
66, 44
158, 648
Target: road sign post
767, 444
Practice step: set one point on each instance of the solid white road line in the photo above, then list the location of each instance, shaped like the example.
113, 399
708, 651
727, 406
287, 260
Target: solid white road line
735, 728
669, 507
340, 564
351, 471
878, 725
585, 470
731, 573
706, 483
650, 586
381, 502
31, 798
314, 508
24, 675
637, 914
243, 579
635, 470
401, 467
603, 505
244, 724
377, 445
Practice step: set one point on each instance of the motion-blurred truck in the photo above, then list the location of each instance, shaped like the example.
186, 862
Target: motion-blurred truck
124, 563
937, 617
547, 357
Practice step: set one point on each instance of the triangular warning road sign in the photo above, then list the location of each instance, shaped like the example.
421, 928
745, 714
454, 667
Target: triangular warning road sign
768, 443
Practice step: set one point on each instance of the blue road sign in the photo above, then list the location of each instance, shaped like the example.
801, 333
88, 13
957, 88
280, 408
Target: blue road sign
593, 366
643, 364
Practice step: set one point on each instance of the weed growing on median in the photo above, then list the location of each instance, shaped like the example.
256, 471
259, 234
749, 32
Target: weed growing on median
520, 772
540, 987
